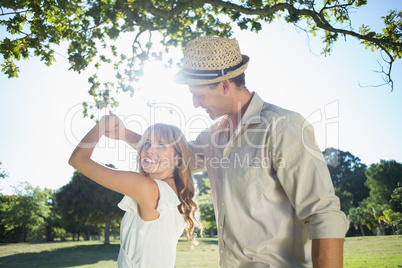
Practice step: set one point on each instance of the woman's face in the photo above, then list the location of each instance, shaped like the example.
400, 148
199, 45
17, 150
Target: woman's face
158, 159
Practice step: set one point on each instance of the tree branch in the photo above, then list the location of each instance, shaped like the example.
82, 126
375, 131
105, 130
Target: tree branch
162, 13
344, 6
13, 13
319, 20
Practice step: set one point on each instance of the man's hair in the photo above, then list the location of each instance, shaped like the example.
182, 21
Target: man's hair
239, 80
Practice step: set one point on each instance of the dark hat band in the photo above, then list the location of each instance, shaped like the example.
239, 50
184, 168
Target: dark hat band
208, 74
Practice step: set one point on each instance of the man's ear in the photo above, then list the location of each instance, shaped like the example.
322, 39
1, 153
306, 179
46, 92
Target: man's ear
225, 86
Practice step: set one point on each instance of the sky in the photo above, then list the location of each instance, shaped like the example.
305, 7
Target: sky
41, 113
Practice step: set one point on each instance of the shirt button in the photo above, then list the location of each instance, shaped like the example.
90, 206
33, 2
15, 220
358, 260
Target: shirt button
221, 251
223, 204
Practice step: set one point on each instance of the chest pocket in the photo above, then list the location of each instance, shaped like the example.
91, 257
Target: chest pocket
244, 178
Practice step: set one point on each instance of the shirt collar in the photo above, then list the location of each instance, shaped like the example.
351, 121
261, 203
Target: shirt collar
253, 112
252, 115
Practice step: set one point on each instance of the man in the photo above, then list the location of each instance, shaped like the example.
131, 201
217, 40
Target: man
273, 197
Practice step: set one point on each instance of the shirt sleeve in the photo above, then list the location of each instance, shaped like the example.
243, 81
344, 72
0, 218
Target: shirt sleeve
304, 176
197, 152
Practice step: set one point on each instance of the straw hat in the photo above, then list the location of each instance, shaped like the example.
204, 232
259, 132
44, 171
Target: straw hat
209, 60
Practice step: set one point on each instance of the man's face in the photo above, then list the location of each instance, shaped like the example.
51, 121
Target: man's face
210, 99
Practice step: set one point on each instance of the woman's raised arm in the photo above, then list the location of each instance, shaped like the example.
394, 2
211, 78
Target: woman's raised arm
142, 189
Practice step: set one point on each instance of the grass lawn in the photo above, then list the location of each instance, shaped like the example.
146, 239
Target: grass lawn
373, 251
381, 251
59, 254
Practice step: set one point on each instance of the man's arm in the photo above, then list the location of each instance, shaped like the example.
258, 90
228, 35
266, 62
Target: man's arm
327, 253
316, 205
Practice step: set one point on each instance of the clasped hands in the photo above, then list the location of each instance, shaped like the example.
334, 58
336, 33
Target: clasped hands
112, 127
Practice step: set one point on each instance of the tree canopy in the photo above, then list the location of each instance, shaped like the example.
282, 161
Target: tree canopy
3, 174
23, 213
348, 176
83, 201
91, 27
381, 211
206, 205
384, 179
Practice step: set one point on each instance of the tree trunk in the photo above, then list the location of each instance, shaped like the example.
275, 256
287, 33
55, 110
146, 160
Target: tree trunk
49, 237
23, 233
211, 232
382, 228
362, 230
114, 233
107, 230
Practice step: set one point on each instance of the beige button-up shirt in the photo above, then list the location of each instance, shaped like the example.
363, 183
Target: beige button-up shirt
271, 188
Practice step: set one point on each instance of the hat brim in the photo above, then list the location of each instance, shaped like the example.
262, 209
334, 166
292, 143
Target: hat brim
181, 79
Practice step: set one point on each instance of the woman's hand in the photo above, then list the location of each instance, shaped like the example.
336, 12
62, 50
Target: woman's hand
112, 127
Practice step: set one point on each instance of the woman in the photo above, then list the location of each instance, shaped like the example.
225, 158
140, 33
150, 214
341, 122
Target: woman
158, 200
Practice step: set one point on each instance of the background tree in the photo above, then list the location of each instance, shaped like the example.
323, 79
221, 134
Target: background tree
90, 27
24, 212
72, 205
378, 219
47, 213
382, 179
382, 210
8, 231
200, 182
396, 195
104, 201
359, 217
394, 220
348, 176
396, 217
83, 204
3, 174
206, 207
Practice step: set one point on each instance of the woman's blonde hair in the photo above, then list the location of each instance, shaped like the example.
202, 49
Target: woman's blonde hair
183, 180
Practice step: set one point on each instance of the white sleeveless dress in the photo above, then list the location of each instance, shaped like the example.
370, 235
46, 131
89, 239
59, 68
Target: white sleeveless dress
150, 244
